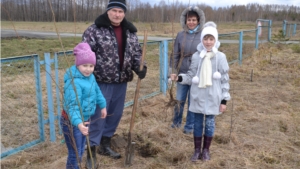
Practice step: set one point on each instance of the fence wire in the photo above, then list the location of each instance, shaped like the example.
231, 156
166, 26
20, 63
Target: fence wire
292, 31
230, 46
249, 38
263, 33
19, 109
150, 83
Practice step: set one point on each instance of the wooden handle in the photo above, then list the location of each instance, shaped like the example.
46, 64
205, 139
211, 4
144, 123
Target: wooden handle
137, 89
144, 51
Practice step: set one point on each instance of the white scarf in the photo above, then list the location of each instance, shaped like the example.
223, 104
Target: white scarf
206, 71
205, 77
206, 68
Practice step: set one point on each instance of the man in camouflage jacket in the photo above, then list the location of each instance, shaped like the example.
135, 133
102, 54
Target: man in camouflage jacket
118, 54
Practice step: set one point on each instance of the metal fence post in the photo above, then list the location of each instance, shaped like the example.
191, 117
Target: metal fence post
161, 47
270, 31
288, 29
163, 63
295, 28
39, 98
49, 96
284, 27
256, 38
57, 90
241, 48
166, 66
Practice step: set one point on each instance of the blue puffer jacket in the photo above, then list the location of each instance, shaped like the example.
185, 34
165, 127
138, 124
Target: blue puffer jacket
88, 94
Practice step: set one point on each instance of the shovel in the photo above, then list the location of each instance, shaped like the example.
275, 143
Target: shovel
129, 153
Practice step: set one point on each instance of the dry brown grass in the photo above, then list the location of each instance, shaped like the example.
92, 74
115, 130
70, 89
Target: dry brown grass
262, 117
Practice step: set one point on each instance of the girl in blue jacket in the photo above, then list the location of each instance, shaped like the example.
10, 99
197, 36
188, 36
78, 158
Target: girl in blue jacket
81, 95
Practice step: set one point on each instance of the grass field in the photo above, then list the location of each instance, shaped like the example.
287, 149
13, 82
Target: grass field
154, 29
260, 128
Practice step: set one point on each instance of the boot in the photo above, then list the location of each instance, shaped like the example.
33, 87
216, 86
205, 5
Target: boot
89, 158
197, 153
206, 145
106, 150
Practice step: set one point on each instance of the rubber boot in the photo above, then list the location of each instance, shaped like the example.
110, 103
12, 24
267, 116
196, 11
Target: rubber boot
206, 145
89, 158
106, 150
197, 153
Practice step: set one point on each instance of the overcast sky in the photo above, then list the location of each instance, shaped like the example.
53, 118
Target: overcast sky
224, 3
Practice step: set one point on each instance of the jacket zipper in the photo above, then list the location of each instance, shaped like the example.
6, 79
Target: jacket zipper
112, 30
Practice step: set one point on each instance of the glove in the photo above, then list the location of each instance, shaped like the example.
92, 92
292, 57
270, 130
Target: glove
142, 73
169, 81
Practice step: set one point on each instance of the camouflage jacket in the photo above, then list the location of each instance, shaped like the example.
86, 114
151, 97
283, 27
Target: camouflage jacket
103, 42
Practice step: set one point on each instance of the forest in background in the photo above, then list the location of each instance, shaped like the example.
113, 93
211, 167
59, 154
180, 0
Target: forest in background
138, 11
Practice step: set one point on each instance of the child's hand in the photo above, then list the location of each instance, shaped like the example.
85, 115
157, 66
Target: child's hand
223, 108
103, 113
174, 77
83, 129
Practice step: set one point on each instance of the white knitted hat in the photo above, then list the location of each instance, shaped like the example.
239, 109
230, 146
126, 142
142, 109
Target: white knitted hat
209, 28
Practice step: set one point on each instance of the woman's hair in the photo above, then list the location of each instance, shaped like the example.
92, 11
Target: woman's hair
192, 14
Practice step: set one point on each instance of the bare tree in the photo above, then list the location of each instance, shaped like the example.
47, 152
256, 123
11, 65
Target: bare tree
139, 11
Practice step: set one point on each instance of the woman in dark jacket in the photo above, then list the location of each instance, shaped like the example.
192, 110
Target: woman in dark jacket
192, 20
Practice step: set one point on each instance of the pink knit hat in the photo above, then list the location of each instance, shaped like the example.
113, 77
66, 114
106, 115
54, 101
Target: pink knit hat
84, 54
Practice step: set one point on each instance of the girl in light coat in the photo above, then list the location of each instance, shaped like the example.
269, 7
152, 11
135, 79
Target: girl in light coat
209, 79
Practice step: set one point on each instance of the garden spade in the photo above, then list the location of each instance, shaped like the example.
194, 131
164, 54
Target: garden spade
129, 153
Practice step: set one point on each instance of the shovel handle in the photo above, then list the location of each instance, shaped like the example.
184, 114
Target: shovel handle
136, 95
144, 50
